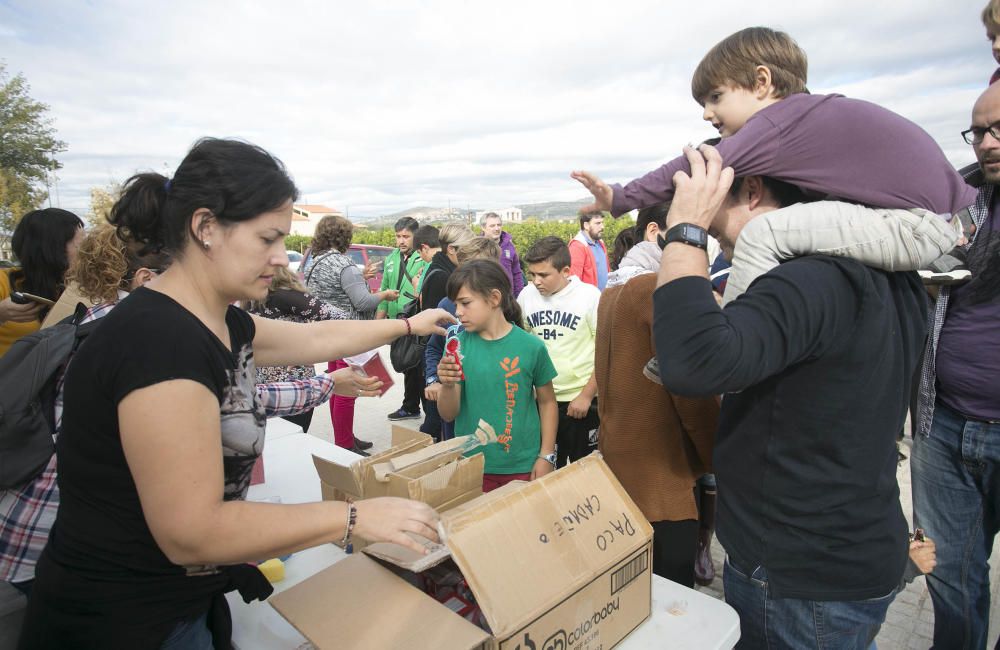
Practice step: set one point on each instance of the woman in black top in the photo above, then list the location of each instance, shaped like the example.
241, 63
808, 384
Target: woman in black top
161, 427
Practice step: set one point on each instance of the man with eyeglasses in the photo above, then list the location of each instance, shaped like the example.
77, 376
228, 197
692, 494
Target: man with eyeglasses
956, 453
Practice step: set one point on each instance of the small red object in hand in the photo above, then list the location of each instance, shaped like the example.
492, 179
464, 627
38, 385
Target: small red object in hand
453, 348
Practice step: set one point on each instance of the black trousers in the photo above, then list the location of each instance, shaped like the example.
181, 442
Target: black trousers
576, 438
675, 545
413, 388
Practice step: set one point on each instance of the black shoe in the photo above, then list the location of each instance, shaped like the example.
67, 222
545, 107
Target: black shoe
362, 444
358, 450
404, 415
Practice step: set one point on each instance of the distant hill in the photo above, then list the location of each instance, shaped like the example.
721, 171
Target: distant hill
543, 211
554, 209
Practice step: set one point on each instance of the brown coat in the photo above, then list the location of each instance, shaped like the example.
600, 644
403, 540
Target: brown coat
656, 443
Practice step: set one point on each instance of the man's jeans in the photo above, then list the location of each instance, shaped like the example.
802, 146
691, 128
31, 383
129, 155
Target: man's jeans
956, 499
768, 622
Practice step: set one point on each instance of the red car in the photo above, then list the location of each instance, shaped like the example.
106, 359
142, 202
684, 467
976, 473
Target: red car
365, 254
361, 255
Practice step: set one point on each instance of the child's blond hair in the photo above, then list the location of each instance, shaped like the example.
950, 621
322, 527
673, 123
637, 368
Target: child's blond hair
734, 61
991, 17
478, 248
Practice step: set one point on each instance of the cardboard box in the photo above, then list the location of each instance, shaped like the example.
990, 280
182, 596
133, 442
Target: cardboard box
562, 563
413, 468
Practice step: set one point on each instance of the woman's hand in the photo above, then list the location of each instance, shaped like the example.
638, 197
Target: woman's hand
15, 313
432, 391
347, 382
449, 372
541, 468
389, 295
429, 322
391, 519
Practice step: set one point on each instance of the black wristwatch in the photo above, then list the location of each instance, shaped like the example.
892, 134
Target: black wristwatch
687, 233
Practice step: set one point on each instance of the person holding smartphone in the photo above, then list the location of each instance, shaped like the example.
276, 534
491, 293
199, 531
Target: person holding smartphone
45, 243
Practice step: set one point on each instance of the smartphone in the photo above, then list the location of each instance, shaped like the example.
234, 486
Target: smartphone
21, 298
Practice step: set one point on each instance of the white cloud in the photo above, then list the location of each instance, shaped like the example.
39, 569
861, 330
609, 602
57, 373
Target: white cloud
381, 106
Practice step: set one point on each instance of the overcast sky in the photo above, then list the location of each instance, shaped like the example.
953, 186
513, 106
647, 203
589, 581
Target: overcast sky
376, 107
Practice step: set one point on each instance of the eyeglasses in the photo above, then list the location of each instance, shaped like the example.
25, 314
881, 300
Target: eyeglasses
976, 134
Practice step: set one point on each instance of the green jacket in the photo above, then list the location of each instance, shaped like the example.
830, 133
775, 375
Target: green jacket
393, 278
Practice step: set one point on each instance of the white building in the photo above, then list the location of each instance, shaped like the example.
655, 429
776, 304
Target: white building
305, 218
507, 215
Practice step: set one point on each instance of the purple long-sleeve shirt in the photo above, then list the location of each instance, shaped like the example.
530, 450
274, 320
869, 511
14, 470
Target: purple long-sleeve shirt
829, 145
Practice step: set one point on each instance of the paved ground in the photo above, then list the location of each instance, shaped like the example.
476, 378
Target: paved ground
909, 623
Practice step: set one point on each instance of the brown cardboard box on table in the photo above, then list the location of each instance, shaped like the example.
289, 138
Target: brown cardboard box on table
559, 563
436, 474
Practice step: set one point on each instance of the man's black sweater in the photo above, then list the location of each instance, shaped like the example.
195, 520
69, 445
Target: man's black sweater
816, 361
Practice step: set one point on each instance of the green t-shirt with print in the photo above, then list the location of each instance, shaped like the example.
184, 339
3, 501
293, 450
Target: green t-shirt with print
499, 380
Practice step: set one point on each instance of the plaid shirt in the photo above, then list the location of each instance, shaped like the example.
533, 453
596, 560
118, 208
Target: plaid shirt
27, 513
928, 373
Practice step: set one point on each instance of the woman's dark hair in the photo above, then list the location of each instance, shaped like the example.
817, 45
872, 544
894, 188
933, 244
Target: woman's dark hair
236, 180
483, 277
39, 243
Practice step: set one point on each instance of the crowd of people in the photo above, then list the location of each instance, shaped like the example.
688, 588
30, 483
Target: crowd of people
743, 359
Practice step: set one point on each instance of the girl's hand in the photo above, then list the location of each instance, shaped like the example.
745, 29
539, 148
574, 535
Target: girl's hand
389, 295
429, 322
15, 313
541, 468
449, 372
391, 519
349, 383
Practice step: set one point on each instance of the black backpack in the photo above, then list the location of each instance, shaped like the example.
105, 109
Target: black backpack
28, 375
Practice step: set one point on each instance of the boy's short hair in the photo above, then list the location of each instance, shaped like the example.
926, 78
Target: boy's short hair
991, 17
587, 216
407, 223
550, 249
426, 235
478, 248
653, 214
734, 61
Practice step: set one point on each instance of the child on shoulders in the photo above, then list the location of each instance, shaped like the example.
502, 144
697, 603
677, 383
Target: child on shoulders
899, 192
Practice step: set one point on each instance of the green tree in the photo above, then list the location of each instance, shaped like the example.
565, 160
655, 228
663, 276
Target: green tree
28, 148
101, 201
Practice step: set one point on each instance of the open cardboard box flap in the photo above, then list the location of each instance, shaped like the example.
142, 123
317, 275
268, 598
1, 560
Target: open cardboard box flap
350, 479
356, 603
527, 548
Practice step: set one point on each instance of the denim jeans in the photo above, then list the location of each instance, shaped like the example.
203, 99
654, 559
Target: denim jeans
956, 499
768, 622
190, 635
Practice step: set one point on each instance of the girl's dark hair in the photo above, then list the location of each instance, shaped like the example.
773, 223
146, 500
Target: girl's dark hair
236, 180
39, 243
483, 277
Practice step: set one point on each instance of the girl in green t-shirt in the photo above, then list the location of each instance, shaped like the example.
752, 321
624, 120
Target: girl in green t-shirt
502, 375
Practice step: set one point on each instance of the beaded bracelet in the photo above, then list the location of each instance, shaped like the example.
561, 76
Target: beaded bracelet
352, 518
409, 330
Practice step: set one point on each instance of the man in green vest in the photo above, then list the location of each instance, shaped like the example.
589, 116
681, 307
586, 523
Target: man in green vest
402, 271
